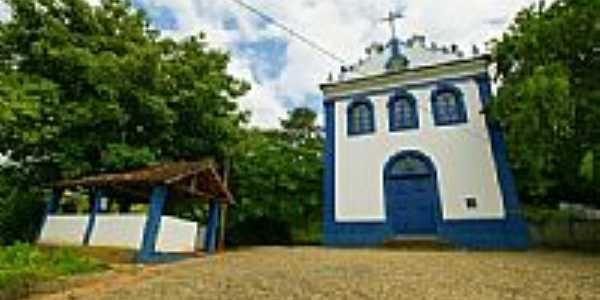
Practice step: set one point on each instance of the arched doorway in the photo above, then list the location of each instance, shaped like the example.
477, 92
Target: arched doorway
411, 194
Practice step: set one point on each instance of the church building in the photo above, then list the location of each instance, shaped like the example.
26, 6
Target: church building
411, 153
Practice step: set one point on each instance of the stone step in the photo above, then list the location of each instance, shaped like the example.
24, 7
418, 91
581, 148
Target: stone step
418, 242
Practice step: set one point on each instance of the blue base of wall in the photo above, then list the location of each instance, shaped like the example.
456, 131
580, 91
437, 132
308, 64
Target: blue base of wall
355, 234
508, 234
487, 234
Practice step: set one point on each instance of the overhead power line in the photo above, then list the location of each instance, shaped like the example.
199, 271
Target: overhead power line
289, 30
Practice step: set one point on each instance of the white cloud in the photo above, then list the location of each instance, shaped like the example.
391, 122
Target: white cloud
344, 27
334, 26
464, 22
4, 11
262, 99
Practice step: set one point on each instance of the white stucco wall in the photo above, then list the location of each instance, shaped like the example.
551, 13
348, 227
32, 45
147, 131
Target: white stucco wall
122, 231
462, 155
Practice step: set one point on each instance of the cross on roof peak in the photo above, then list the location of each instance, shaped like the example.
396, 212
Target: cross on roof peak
391, 18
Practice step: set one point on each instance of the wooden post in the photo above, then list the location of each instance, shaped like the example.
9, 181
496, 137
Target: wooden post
224, 206
95, 199
157, 201
223, 218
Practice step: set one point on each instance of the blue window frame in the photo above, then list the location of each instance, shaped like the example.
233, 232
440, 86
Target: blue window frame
448, 106
403, 113
361, 118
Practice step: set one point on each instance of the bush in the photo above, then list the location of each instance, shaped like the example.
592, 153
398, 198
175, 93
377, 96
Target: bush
552, 228
22, 265
541, 215
22, 209
260, 231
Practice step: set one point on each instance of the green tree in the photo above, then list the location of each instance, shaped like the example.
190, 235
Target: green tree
549, 98
276, 179
301, 123
87, 89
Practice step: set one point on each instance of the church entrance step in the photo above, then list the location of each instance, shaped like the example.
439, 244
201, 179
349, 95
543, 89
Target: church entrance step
417, 242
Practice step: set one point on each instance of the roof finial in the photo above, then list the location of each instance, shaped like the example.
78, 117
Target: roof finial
391, 18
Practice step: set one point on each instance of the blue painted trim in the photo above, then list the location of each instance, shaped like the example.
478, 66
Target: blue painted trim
514, 217
356, 234
486, 234
328, 213
95, 198
359, 101
210, 240
484, 83
389, 90
151, 230
446, 87
391, 161
499, 151
402, 94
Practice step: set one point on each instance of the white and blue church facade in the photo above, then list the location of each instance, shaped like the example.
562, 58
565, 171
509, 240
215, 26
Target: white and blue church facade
410, 151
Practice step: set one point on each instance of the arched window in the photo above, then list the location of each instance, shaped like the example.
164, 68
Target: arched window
403, 113
408, 166
360, 117
448, 106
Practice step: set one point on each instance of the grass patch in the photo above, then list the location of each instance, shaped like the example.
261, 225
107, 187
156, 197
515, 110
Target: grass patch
23, 265
109, 255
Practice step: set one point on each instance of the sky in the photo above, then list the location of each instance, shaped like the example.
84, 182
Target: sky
284, 72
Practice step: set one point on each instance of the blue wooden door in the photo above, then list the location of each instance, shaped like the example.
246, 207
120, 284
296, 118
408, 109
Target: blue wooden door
411, 195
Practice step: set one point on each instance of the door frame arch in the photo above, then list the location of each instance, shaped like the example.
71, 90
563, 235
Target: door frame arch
389, 164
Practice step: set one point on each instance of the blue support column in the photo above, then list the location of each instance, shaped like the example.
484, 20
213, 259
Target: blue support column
54, 201
157, 201
210, 240
95, 198
52, 206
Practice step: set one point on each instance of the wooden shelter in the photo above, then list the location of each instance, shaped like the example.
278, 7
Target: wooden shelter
155, 185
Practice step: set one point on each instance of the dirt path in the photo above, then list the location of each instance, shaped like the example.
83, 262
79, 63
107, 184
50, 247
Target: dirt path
319, 273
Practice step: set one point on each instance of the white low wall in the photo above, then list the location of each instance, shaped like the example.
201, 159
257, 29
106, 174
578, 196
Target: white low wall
123, 231
64, 230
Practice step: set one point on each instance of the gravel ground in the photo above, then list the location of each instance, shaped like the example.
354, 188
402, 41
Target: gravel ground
320, 273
